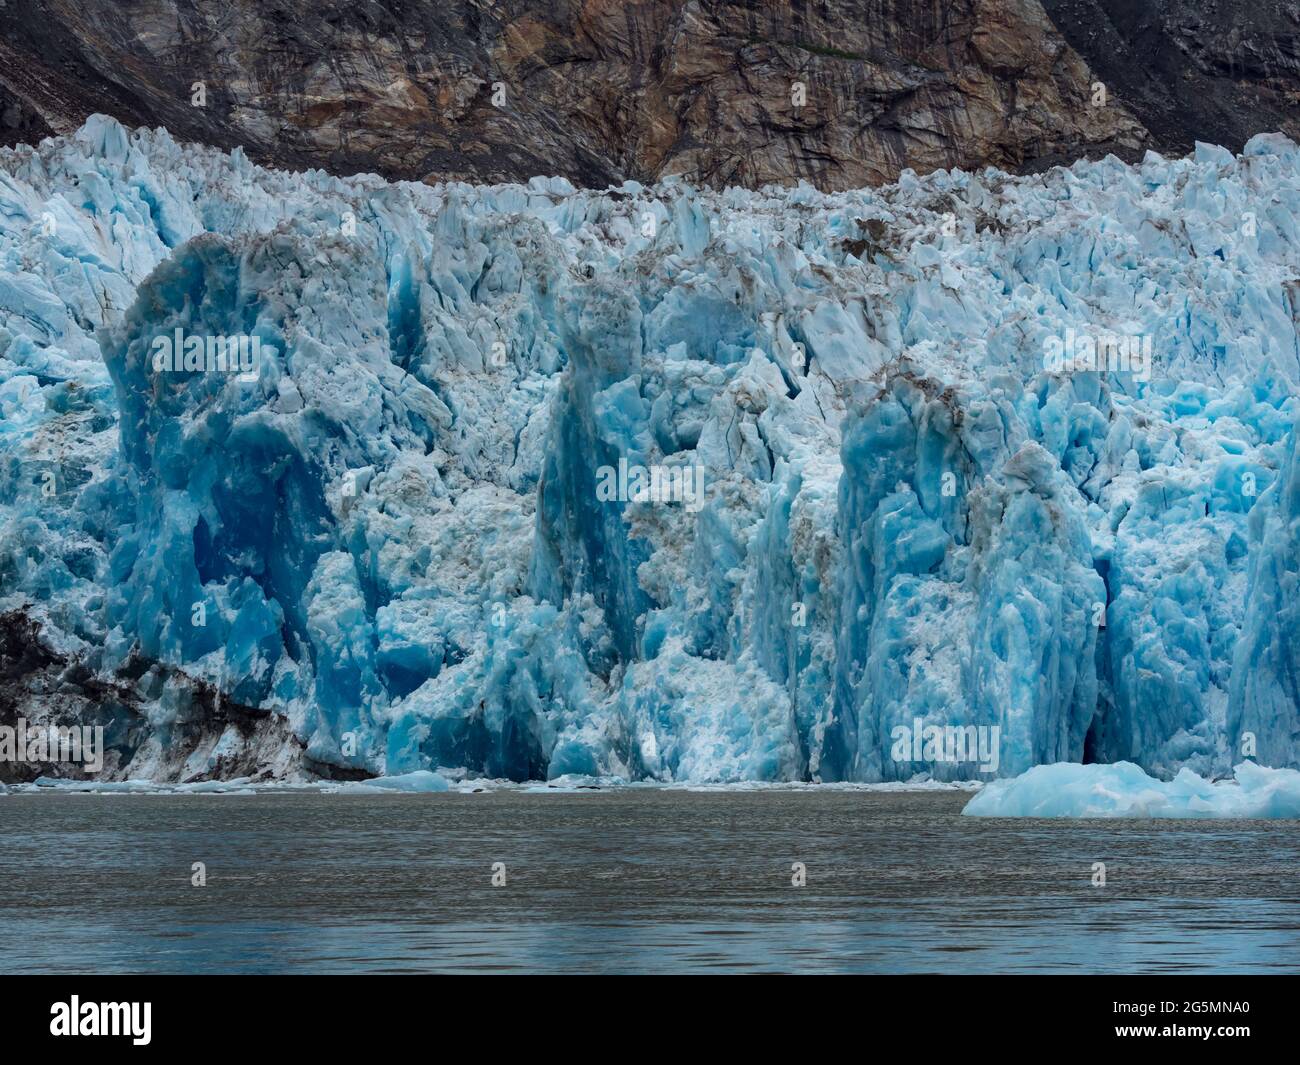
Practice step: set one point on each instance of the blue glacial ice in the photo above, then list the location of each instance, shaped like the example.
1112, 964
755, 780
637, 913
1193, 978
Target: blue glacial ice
972, 451
1121, 789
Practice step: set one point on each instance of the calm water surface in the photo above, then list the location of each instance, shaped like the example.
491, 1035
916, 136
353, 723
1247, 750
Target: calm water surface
631, 881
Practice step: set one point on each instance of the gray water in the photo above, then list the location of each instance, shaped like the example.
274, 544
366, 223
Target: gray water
630, 881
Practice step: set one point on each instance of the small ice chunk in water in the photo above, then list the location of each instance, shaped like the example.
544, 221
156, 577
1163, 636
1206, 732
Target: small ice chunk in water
420, 780
1122, 789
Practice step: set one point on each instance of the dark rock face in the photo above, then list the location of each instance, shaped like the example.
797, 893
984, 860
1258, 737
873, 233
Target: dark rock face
208, 738
607, 90
1193, 70
19, 123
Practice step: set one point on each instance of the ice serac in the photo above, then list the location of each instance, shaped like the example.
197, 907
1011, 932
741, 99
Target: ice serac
970, 588
1266, 668
655, 483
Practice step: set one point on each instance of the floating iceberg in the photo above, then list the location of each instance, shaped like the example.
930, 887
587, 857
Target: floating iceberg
338, 477
419, 781
1123, 790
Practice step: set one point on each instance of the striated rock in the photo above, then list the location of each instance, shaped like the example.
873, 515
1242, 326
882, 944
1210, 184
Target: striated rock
609, 90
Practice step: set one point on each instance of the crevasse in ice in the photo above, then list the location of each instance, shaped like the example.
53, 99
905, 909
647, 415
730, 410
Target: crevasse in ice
891, 487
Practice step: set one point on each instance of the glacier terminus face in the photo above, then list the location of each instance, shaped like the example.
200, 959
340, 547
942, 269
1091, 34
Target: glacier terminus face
304, 475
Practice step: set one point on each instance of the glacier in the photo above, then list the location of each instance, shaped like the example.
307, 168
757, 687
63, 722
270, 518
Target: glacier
649, 483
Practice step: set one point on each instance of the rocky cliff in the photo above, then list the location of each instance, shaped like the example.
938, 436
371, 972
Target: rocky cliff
841, 93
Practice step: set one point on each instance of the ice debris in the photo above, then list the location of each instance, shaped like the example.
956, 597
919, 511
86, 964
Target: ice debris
1123, 790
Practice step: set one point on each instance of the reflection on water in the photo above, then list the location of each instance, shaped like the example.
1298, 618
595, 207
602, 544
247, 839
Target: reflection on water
631, 881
